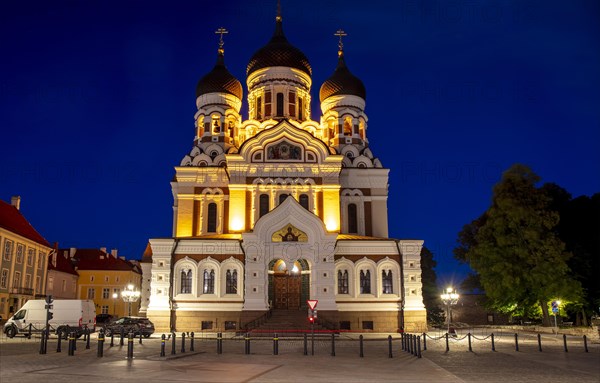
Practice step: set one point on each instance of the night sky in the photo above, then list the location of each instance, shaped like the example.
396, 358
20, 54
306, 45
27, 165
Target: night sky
97, 102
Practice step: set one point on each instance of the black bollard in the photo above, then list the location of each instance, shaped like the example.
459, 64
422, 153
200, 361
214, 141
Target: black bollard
87, 338
43, 343
447, 344
409, 343
305, 344
101, 343
75, 341
516, 342
585, 347
59, 343
247, 344
122, 336
360, 341
29, 332
72, 343
130, 345
418, 347
140, 337
162, 344
539, 338
390, 347
424, 342
275, 344
402, 341
332, 344
182, 342
173, 343
112, 338
219, 343
192, 341
565, 342
470, 348
414, 345
493, 344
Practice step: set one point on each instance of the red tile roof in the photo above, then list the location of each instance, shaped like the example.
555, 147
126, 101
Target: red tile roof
96, 259
62, 264
12, 220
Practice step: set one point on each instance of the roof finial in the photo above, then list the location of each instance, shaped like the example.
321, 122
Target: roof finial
340, 33
221, 31
278, 17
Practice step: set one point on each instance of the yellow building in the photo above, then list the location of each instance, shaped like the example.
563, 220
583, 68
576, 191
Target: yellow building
24, 259
103, 277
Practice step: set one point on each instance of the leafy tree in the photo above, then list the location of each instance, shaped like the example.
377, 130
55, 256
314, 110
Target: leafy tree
514, 249
431, 293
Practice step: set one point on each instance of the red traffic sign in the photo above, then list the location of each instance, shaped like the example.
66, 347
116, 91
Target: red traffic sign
312, 303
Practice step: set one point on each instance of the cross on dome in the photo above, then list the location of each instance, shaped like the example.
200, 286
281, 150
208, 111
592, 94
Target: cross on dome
221, 31
340, 33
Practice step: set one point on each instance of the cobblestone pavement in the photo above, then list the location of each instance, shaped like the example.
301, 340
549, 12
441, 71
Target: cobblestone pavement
20, 361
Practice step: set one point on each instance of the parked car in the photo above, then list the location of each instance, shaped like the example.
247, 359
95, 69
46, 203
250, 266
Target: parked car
135, 325
102, 319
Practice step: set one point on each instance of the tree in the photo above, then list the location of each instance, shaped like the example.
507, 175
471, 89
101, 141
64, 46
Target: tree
431, 294
514, 249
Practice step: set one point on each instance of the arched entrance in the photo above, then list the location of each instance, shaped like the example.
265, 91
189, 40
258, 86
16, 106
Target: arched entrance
288, 284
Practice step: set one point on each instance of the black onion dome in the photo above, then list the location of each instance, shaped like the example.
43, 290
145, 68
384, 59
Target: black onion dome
219, 80
279, 52
342, 82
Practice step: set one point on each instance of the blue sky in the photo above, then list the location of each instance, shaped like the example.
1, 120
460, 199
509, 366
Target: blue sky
97, 103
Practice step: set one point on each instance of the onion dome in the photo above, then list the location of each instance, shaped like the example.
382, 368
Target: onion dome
279, 52
219, 80
342, 82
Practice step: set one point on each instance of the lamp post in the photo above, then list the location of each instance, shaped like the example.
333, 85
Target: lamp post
130, 295
115, 296
449, 297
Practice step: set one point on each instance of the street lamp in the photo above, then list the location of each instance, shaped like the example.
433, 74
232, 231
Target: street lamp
130, 295
449, 297
115, 296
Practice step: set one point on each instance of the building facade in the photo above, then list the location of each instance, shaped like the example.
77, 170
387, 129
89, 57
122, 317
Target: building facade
277, 209
62, 277
24, 259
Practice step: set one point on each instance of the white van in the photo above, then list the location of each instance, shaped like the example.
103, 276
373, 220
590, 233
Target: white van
68, 315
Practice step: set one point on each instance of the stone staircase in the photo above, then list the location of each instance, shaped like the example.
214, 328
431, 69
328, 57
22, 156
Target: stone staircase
287, 323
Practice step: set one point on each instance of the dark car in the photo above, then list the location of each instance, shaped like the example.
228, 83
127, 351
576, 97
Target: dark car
135, 325
102, 319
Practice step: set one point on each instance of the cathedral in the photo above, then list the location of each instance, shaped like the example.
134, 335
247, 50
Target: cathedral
278, 209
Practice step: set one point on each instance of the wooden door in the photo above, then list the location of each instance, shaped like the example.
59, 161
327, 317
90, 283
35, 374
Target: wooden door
287, 292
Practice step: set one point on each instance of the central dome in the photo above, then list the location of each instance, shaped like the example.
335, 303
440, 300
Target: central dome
279, 52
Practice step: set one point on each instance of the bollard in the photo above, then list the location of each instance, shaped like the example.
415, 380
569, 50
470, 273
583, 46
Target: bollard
43, 343
418, 347
87, 338
130, 345
72, 344
122, 332
75, 341
447, 344
112, 338
305, 344
470, 348
59, 343
101, 343
390, 347
247, 344
173, 335
410, 344
539, 338
414, 345
402, 341
585, 347
516, 342
332, 344
192, 341
360, 339
162, 344
29, 332
140, 337
493, 344
182, 342
275, 345
424, 342
219, 343
565, 342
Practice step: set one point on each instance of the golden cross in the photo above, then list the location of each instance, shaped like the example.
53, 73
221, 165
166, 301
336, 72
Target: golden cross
340, 33
221, 31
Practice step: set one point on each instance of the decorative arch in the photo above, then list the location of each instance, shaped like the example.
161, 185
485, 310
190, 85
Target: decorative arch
388, 265
185, 264
365, 271
343, 266
209, 264
231, 277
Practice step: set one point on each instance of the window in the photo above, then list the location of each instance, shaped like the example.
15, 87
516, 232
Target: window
92, 278
387, 283
17, 279
231, 282
28, 281
30, 256
343, 282
345, 325
4, 278
263, 205
258, 108
91, 293
230, 325
267, 103
50, 282
367, 325
352, 219
292, 104
209, 282
186, 281
104, 310
207, 325
216, 125
117, 291
64, 285
304, 201
347, 127
8, 246
105, 293
41, 259
20, 251
300, 109
211, 226
282, 198
365, 282
38, 283
279, 105
106, 278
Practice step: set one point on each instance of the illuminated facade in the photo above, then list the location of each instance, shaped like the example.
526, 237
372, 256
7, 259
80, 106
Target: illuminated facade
277, 209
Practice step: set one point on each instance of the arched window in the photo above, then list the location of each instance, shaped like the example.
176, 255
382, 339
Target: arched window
365, 282
304, 201
279, 105
347, 127
300, 109
211, 226
352, 219
268, 104
263, 205
282, 198
292, 104
209, 282
387, 284
258, 108
231, 282
342, 282
186, 282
